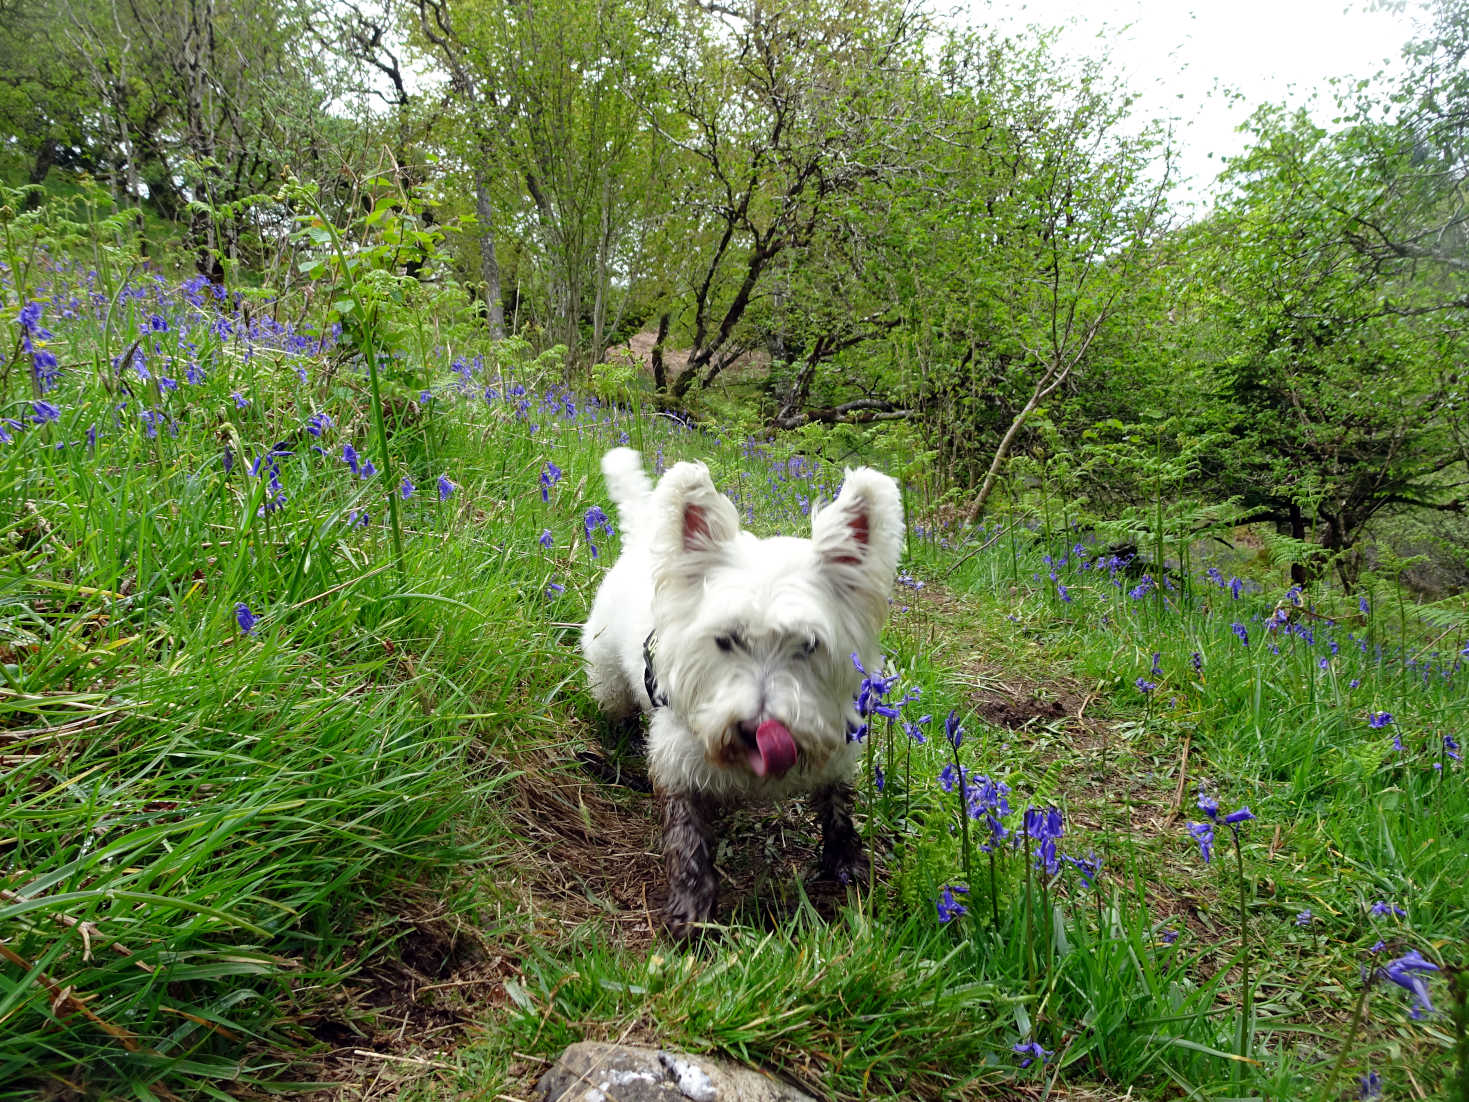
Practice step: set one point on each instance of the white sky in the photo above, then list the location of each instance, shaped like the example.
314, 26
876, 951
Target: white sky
1181, 56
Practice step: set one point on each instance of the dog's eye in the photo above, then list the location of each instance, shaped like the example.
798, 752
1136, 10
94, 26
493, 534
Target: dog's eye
810, 647
724, 642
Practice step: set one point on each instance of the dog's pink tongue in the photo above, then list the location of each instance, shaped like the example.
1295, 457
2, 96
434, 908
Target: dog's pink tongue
776, 751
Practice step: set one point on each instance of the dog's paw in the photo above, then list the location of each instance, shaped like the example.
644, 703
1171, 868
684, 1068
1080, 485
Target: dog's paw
848, 867
685, 918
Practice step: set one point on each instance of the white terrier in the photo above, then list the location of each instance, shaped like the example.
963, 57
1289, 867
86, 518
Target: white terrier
741, 650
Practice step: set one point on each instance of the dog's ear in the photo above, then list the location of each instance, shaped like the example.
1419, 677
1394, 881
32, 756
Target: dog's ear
859, 536
695, 520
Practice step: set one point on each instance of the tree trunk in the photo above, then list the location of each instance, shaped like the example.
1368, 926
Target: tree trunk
1298, 572
660, 373
489, 262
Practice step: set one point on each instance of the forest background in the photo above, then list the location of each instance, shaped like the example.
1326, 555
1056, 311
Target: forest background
861, 212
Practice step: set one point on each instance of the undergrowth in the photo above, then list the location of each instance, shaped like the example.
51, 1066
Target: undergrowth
257, 695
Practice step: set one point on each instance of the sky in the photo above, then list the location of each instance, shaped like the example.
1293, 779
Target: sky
1178, 55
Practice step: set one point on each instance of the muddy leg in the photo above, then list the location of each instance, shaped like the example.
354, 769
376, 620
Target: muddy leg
688, 860
842, 858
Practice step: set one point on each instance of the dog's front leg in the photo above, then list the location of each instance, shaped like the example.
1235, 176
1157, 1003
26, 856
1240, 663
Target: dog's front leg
688, 860
842, 858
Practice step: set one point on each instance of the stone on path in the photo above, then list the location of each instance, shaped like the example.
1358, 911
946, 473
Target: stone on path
591, 1071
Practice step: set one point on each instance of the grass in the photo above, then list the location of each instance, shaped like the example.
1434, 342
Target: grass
214, 826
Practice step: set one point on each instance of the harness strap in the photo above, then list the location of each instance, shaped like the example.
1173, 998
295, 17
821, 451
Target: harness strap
656, 696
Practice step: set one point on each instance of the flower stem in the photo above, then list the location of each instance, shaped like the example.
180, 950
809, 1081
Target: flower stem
1247, 1007
1351, 1038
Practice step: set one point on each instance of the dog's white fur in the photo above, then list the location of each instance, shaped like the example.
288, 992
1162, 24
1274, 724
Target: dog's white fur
746, 629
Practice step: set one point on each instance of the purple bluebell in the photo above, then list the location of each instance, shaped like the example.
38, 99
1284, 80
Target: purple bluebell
1369, 1087
550, 475
1409, 972
245, 618
406, 488
1378, 720
545, 539
1383, 909
1451, 747
953, 732
948, 907
1240, 633
45, 412
446, 488
1305, 918
240, 400
1203, 834
349, 456
1145, 686
1031, 1051
318, 423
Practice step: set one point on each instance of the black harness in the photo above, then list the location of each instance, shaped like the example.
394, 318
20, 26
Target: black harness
656, 696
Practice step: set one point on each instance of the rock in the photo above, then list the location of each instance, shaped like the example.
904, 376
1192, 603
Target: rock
590, 1071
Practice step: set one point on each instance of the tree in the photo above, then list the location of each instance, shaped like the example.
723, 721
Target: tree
1346, 293
780, 113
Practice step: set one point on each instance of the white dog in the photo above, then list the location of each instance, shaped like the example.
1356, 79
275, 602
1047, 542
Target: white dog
741, 650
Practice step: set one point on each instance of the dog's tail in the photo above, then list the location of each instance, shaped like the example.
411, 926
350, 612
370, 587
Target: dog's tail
627, 482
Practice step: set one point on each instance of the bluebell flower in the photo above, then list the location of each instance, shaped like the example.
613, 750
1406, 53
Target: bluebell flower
1451, 747
554, 588
1169, 936
948, 907
1045, 826
1209, 806
953, 732
914, 728
1369, 1087
1240, 633
45, 412
1234, 818
406, 488
1203, 834
157, 324
368, 469
1408, 972
545, 539
1197, 661
1145, 686
1305, 918
1235, 586
240, 400
445, 487
245, 618
878, 779
349, 456
1382, 909
318, 423
1362, 605
1032, 1052
1378, 720
1063, 593
550, 475
1088, 867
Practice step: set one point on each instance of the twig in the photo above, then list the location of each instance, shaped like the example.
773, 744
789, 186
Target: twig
88, 930
1188, 739
63, 998
419, 1060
